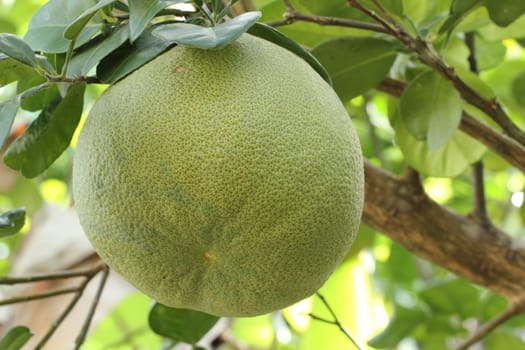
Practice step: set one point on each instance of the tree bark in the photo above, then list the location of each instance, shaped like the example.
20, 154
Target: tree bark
477, 251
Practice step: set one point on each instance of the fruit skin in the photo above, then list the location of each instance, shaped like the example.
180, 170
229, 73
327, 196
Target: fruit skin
227, 181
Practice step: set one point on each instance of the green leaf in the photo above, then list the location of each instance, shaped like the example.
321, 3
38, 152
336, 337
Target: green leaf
495, 33
459, 9
489, 54
73, 29
8, 111
504, 12
402, 323
14, 47
399, 256
502, 338
355, 64
130, 57
11, 222
207, 37
15, 338
271, 34
93, 52
518, 89
431, 108
13, 70
40, 97
47, 27
181, 325
449, 160
142, 11
48, 136
452, 297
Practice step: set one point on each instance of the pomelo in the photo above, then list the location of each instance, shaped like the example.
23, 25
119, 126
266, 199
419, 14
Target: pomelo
227, 181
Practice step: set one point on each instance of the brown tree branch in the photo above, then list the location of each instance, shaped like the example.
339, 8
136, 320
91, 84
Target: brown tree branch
482, 254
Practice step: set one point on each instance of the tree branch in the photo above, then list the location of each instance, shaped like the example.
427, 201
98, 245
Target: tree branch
482, 254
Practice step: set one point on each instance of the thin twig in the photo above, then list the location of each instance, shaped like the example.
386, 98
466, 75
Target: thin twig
93, 272
52, 276
288, 5
292, 15
394, 31
76, 79
85, 327
31, 297
372, 133
335, 322
471, 45
479, 206
488, 327
62, 316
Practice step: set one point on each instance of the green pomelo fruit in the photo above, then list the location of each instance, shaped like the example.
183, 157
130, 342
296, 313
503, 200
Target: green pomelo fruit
227, 181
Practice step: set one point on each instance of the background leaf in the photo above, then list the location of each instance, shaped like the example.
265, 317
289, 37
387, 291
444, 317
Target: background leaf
43, 96
142, 11
449, 160
48, 136
504, 12
13, 70
46, 29
207, 37
431, 108
11, 222
74, 28
8, 111
355, 64
271, 34
92, 53
459, 9
402, 323
181, 325
456, 296
16, 48
15, 338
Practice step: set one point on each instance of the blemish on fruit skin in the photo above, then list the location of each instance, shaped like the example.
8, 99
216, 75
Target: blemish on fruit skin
208, 255
180, 69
